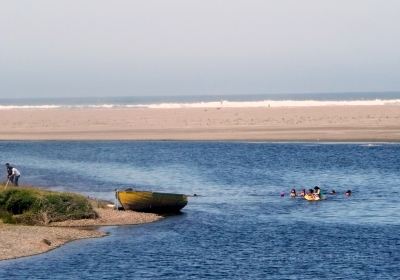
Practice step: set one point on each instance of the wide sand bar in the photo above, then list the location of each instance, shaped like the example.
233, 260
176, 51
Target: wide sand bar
323, 123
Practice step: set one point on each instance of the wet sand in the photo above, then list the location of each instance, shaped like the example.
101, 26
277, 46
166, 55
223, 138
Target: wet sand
20, 241
324, 123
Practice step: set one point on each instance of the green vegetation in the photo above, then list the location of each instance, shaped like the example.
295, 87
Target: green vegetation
33, 206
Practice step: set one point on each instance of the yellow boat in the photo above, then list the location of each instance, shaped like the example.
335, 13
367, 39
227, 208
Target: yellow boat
153, 202
311, 197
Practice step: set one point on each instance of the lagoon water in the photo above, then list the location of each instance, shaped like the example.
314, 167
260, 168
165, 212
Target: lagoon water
238, 227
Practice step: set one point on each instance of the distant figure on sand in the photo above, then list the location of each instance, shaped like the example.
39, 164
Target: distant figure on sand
293, 193
13, 174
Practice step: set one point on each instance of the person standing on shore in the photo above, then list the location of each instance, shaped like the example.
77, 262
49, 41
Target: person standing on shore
13, 174
9, 172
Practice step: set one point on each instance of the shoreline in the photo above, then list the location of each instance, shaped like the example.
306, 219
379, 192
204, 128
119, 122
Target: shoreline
376, 123
17, 241
360, 141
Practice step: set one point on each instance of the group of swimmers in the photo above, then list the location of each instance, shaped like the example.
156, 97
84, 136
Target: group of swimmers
316, 192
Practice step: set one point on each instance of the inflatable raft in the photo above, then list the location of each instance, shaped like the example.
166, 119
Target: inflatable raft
311, 197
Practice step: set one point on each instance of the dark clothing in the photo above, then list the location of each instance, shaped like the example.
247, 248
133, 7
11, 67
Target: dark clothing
14, 180
9, 170
9, 174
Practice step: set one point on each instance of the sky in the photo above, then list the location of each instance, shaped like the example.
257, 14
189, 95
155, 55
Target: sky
184, 47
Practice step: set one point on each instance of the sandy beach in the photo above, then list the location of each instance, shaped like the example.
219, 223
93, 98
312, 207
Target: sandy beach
323, 123
20, 241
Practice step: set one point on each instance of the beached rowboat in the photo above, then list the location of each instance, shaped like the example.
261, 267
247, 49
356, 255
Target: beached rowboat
153, 202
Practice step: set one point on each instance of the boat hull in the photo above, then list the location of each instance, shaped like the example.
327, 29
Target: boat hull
310, 197
152, 202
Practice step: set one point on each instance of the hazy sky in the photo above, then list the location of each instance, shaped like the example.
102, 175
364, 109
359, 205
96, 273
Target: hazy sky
184, 47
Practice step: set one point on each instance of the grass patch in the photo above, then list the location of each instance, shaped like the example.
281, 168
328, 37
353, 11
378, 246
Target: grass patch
33, 206
6, 217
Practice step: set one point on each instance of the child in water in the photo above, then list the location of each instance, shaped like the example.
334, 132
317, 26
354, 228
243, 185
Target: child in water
303, 192
293, 193
347, 193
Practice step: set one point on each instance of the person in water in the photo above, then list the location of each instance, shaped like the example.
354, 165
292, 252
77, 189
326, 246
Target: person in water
293, 193
347, 193
303, 192
333, 192
309, 195
317, 191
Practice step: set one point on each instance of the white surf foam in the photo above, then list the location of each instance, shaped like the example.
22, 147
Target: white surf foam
273, 103
11, 107
219, 104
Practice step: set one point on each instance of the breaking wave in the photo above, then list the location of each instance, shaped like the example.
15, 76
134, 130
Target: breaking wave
216, 104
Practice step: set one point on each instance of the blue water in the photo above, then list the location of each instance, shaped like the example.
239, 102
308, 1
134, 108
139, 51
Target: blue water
240, 227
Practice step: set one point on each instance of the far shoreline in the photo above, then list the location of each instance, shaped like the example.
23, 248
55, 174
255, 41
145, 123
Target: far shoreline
375, 123
365, 141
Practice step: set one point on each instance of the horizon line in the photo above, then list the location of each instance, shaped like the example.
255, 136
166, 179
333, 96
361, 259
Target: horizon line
204, 94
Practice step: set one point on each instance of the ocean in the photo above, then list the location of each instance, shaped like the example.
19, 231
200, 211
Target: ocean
238, 227
201, 101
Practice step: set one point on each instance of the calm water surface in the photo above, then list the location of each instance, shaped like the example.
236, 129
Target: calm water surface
239, 228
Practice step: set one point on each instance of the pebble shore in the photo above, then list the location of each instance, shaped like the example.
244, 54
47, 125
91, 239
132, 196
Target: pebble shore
20, 241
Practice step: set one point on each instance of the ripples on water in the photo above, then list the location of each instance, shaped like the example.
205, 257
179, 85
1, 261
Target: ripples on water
239, 228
